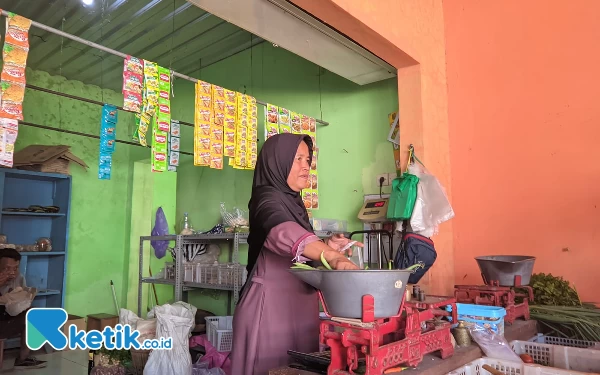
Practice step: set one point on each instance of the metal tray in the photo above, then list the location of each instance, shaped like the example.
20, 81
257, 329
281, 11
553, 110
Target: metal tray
505, 268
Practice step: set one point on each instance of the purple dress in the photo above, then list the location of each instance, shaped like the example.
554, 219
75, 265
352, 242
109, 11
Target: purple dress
277, 312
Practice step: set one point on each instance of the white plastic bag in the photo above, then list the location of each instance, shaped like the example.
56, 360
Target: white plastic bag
492, 344
202, 368
17, 307
18, 300
146, 327
432, 206
175, 321
128, 317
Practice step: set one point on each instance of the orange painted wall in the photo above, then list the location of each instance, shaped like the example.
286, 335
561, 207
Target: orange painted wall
524, 116
414, 28
501, 102
410, 35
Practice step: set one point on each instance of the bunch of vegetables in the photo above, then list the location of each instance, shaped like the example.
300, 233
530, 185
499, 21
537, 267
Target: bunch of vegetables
574, 322
557, 307
553, 290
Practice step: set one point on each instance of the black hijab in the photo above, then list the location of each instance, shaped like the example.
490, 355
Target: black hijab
273, 202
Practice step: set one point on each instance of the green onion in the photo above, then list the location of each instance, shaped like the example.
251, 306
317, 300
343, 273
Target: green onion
582, 323
302, 266
324, 261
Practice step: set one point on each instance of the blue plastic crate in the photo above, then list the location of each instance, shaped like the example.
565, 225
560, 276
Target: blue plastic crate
485, 316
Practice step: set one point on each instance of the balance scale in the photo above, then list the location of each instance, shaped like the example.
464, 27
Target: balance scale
374, 211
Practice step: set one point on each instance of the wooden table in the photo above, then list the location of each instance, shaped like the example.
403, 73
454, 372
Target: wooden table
432, 364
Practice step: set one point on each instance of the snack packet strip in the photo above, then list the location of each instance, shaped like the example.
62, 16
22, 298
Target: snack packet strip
133, 83
284, 117
271, 121
108, 140
9, 130
203, 119
296, 123
108, 128
159, 148
196, 123
17, 30
229, 135
104, 166
14, 56
174, 145
304, 124
219, 107
307, 198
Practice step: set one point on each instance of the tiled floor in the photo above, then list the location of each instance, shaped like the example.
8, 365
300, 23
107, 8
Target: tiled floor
70, 362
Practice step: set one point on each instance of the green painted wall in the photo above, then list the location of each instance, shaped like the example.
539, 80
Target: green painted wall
152, 190
101, 211
353, 148
107, 216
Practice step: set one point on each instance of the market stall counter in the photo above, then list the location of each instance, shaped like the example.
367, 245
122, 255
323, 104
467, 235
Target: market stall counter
432, 364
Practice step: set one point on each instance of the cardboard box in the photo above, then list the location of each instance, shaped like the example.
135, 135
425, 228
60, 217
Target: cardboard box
99, 321
78, 321
50, 159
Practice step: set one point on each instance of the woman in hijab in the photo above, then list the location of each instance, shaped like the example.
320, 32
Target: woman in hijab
278, 312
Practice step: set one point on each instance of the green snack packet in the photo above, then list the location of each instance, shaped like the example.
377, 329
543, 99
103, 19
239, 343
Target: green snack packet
164, 80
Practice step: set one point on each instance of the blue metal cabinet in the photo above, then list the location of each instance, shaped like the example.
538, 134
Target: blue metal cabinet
42, 270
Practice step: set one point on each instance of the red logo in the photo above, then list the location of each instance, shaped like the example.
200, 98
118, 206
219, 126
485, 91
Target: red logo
11, 109
165, 109
160, 138
16, 72
164, 95
17, 34
164, 126
164, 77
159, 156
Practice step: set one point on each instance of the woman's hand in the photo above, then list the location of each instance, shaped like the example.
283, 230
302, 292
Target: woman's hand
342, 263
335, 258
337, 242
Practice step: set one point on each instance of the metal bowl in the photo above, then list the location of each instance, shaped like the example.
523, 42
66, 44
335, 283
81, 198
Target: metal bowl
343, 290
504, 268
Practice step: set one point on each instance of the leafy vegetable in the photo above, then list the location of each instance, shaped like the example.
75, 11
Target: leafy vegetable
115, 356
553, 290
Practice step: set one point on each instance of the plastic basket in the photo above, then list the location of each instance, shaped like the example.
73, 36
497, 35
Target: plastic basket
139, 358
564, 357
219, 331
485, 316
216, 274
508, 368
574, 343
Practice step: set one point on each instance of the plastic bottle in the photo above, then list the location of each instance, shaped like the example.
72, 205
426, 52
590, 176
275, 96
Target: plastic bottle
91, 355
186, 225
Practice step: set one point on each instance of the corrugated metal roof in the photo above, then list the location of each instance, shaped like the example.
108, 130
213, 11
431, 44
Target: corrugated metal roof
173, 33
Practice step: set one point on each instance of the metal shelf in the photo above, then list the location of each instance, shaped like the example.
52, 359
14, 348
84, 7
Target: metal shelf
151, 280
198, 237
180, 287
47, 292
39, 214
187, 286
207, 286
